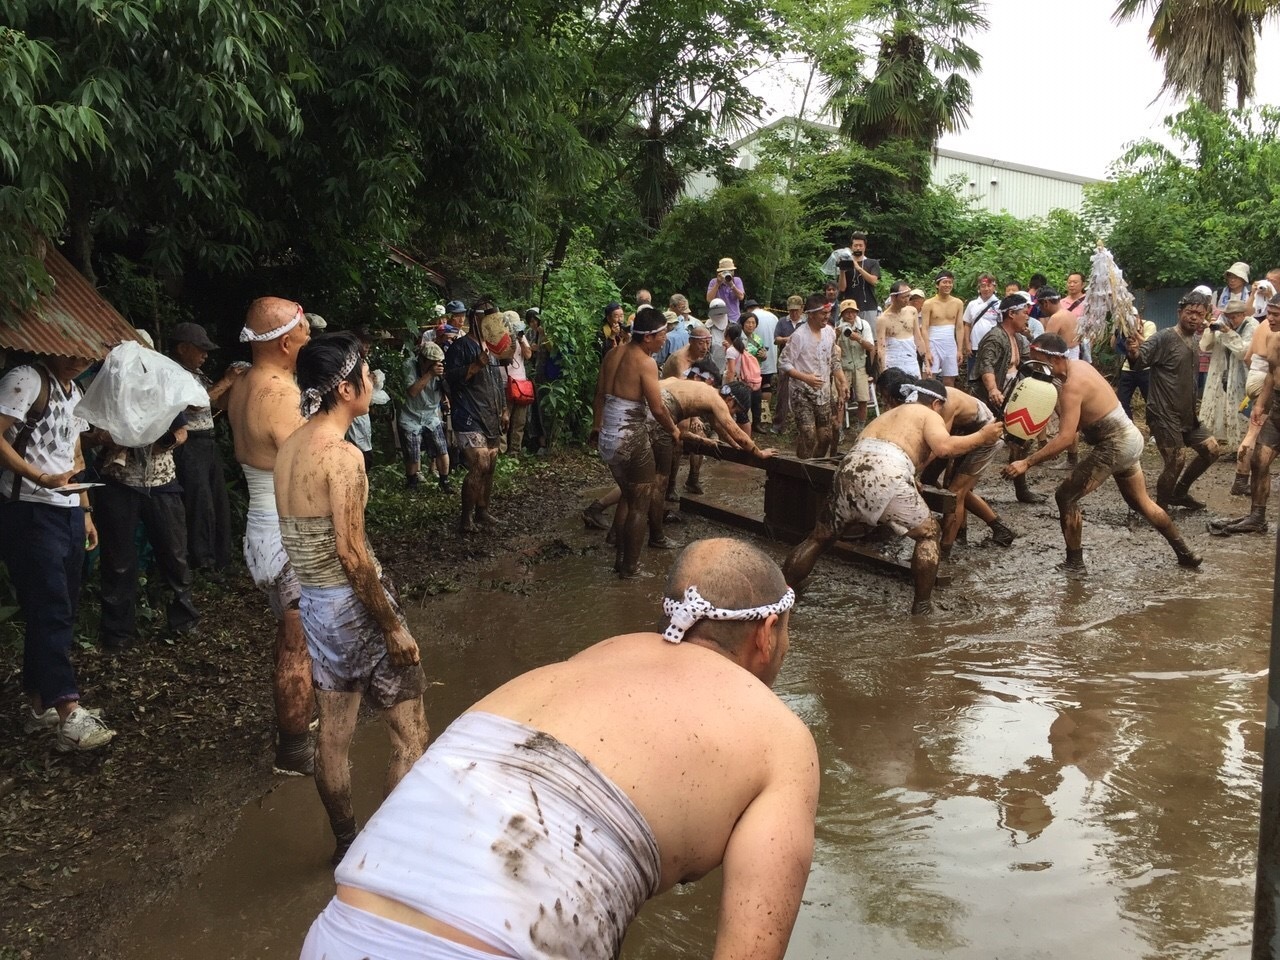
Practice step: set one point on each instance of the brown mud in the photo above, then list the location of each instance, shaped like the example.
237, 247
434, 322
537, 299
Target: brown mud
1043, 767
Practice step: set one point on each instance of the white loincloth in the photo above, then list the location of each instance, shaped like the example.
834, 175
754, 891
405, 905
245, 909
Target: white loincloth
264, 552
344, 932
946, 358
620, 421
901, 353
876, 484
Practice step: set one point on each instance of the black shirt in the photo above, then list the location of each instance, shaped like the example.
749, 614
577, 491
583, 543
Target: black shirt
857, 288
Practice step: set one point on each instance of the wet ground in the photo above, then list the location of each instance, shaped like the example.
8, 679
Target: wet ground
1044, 767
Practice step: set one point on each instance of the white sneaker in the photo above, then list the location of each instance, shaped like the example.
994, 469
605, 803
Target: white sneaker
33, 722
82, 731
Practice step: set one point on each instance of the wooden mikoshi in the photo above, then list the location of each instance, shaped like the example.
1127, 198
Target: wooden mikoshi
1031, 402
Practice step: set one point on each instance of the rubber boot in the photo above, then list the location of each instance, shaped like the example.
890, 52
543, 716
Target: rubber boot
1001, 535
1024, 493
1255, 522
1240, 486
1185, 557
1182, 498
344, 833
1182, 492
691, 482
295, 755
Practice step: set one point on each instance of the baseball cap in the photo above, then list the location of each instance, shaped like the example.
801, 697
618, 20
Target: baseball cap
795, 302
316, 322
455, 306
193, 334
717, 308
917, 292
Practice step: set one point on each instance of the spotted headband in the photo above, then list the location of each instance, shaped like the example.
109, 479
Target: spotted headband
312, 396
911, 393
248, 336
685, 613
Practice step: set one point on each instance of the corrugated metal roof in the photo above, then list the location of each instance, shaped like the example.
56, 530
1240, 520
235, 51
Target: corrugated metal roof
73, 321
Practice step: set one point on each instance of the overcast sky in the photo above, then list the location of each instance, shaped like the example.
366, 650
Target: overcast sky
1056, 66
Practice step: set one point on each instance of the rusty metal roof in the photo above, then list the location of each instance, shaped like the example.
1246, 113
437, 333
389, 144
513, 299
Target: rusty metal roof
73, 321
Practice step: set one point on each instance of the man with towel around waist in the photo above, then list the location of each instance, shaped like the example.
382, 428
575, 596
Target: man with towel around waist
263, 410
1088, 404
357, 638
538, 824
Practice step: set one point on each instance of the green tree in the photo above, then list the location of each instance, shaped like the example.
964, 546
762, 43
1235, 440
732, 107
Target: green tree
1180, 215
1012, 250
918, 90
1204, 44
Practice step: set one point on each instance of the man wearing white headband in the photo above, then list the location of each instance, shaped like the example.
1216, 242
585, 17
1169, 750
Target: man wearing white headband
540, 822
876, 484
264, 408
1087, 404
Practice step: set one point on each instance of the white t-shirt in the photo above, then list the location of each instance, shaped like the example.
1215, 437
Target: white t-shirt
989, 318
766, 324
52, 447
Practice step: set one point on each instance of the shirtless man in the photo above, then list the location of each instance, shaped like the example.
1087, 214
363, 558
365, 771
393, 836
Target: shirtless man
876, 485
539, 823
1266, 420
1065, 323
1088, 404
627, 400
685, 400
263, 410
942, 318
1255, 358
357, 638
696, 351
963, 415
900, 339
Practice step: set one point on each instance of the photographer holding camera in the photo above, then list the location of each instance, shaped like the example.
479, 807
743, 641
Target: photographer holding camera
858, 277
727, 287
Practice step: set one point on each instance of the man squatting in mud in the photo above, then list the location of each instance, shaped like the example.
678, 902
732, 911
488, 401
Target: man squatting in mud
876, 485
357, 638
1088, 404
263, 410
539, 823
628, 399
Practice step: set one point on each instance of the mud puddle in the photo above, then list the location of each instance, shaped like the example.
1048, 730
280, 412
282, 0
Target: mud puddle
1046, 767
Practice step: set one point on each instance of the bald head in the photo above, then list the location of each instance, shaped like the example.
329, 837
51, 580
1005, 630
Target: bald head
267, 313
731, 575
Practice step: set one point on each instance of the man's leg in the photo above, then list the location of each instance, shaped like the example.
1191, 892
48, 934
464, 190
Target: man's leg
1206, 450
1244, 460
1256, 519
693, 480
593, 515
663, 454
924, 564
1021, 487
632, 531
291, 687
802, 558
1133, 487
117, 522
1068, 495
411, 442
163, 518
407, 727
338, 712
472, 487
488, 463
804, 412
1126, 384
1174, 457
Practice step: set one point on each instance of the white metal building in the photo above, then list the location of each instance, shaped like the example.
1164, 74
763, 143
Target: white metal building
997, 186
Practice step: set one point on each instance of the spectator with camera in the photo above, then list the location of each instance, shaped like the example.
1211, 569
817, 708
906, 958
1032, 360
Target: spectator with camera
726, 286
858, 277
856, 340
421, 418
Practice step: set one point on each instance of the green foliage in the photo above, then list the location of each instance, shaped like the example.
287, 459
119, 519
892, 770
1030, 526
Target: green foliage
576, 294
1012, 249
1176, 217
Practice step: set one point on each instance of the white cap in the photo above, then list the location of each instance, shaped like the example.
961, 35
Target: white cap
717, 306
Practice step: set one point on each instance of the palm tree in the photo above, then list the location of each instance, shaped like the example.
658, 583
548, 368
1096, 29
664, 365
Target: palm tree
918, 91
1204, 44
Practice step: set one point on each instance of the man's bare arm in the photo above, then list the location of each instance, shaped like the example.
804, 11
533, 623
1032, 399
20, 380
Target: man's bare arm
348, 491
10, 461
767, 860
653, 396
943, 445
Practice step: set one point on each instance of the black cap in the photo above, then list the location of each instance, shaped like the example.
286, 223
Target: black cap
750, 304
193, 334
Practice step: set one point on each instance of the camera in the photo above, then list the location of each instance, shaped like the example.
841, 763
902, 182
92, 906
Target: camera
845, 263
1217, 325
847, 331
727, 276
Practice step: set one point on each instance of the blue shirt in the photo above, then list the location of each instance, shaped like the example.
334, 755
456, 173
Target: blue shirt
478, 402
677, 338
422, 411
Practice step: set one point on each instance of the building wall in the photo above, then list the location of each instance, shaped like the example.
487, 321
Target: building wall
1001, 188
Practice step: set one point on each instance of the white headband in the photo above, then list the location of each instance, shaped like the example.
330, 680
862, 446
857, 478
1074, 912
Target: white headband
247, 335
910, 392
1050, 353
685, 613
312, 396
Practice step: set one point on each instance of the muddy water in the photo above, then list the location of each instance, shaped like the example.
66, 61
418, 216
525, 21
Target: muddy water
1044, 768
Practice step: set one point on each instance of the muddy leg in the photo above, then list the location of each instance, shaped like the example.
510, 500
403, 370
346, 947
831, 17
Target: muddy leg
1133, 487
962, 486
487, 461
806, 441
472, 488
292, 680
1206, 454
1174, 458
631, 532
407, 726
338, 713
924, 564
1068, 495
800, 561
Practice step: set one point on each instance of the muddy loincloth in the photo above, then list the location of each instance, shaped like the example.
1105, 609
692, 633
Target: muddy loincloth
344, 932
625, 443
664, 445
876, 484
347, 646
264, 554
510, 836
975, 461
1117, 448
